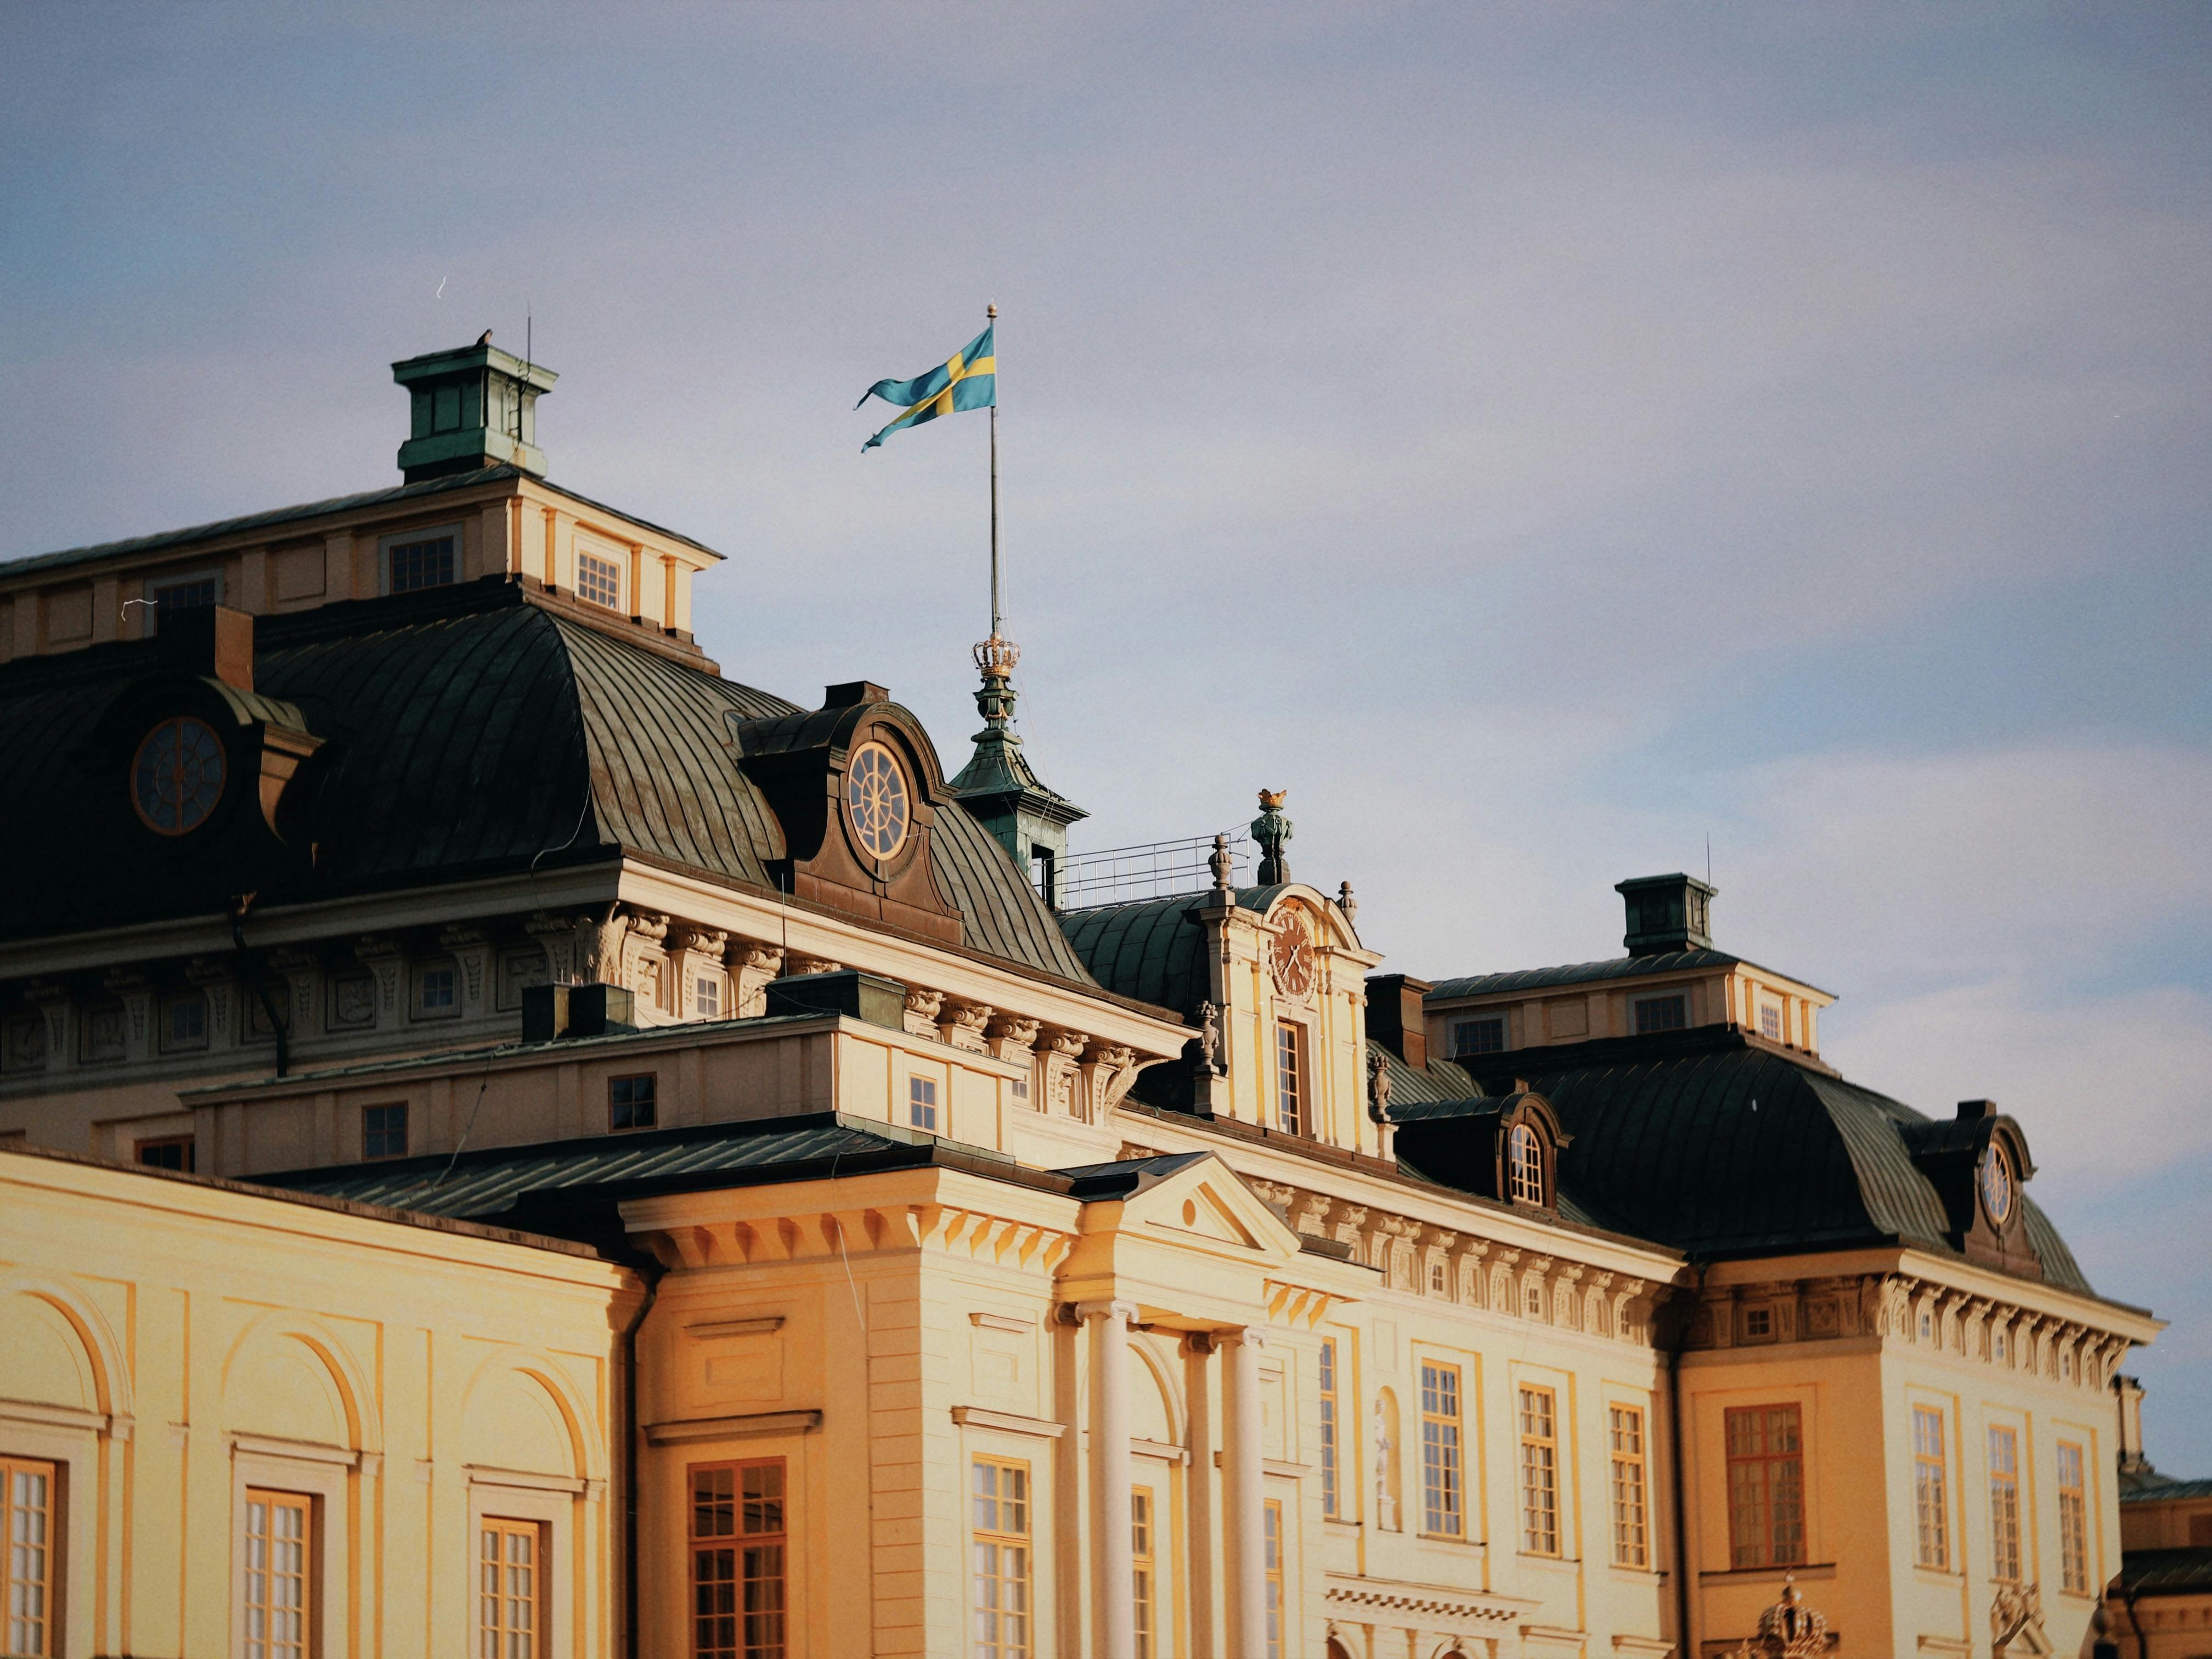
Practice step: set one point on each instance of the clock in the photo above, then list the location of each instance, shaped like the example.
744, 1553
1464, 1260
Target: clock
1292, 956
1996, 1182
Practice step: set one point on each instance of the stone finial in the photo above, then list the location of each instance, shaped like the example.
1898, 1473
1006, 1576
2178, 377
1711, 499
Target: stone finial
1347, 903
1218, 862
1272, 830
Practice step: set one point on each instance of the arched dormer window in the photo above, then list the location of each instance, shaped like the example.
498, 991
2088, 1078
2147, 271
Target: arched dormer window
1524, 1165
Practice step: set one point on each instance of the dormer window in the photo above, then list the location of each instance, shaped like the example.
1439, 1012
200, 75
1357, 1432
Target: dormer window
1669, 1014
1770, 1021
599, 581
175, 593
1525, 1165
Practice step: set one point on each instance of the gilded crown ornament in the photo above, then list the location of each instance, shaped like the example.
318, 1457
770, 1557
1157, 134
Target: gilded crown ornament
997, 655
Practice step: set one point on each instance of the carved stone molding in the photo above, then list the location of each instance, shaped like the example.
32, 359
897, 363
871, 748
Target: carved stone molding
922, 1007
961, 1024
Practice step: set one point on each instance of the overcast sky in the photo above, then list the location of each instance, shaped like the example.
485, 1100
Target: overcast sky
1540, 439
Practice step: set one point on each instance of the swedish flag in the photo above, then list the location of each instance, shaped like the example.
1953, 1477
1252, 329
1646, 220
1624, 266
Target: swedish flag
970, 381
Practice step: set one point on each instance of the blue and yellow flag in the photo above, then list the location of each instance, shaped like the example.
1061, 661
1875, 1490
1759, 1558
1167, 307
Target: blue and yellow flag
970, 381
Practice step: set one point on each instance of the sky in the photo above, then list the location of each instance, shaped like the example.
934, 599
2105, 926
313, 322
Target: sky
1548, 441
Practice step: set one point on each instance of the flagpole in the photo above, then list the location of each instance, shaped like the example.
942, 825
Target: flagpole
991, 313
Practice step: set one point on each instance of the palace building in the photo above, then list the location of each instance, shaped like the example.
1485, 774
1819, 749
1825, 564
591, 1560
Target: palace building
512, 1141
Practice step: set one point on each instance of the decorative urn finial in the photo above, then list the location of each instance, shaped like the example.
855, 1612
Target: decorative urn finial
1271, 829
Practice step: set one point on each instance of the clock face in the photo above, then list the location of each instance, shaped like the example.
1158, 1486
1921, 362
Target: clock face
876, 796
176, 777
1996, 1183
1292, 956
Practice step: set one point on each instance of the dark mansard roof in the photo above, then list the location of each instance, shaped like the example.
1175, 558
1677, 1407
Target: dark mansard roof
1721, 1146
467, 731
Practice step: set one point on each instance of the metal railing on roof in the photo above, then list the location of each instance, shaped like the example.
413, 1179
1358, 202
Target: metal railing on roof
1159, 869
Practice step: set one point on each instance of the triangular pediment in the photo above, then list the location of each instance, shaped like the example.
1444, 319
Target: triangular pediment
1208, 1205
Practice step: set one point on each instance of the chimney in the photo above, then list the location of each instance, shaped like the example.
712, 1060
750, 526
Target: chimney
1396, 1017
2130, 1393
1668, 914
211, 641
474, 407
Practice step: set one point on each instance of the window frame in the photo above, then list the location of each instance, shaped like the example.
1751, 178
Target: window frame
1780, 1495
1328, 1394
586, 558
390, 542
1291, 1077
1496, 1022
382, 1128
651, 1103
920, 1098
2004, 1504
1539, 1470
1677, 999
1001, 1538
1520, 1135
166, 1037
53, 1584
1272, 1549
539, 1599
706, 987
274, 1498
424, 1009
188, 1162
738, 1545
1629, 1484
1443, 1401
1931, 1489
153, 586
1144, 1549
2072, 1518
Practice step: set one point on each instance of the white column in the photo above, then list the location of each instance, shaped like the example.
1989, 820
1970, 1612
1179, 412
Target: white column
1198, 1494
1113, 1565
1243, 1528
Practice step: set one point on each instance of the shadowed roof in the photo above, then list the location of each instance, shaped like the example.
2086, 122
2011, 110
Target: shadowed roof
1702, 1140
1578, 973
468, 730
1154, 950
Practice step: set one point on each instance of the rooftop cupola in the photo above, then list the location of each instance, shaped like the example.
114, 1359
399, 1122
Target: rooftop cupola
1668, 914
473, 407
999, 789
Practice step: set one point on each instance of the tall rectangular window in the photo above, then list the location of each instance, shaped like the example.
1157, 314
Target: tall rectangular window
1478, 1037
1630, 1530
598, 580
1765, 1486
27, 1566
383, 1131
1140, 1554
1271, 1563
921, 1103
1770, 1021
633, 1102
706, 997
422, 564
1329, 1500
510, 1590
1001, 1543
738, 1564
1441, 1490
2004, 1506
1539, 1473
279, 1586
1930, 1503
2073, 1521
1290, 1078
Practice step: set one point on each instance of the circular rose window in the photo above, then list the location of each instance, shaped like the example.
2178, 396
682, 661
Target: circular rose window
1996, 1183
876, 796
176, 778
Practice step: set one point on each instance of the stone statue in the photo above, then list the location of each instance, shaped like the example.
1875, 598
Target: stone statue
1209, 1040
1272, 829
1378, 1087
1386, 1512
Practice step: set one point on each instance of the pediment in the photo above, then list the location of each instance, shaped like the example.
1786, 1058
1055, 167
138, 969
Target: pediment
1208, 1206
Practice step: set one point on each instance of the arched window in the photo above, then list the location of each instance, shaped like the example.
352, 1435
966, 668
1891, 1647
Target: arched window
1524, 1165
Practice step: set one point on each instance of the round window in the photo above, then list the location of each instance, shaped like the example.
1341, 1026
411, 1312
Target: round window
176, 778
876, 796
1996, 1183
